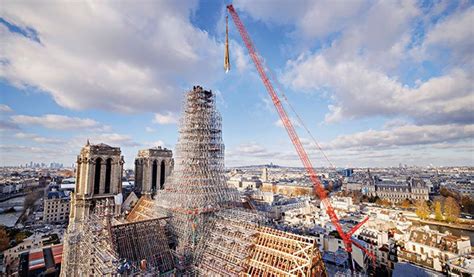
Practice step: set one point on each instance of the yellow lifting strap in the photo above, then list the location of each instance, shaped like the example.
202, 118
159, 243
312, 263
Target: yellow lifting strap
226, 56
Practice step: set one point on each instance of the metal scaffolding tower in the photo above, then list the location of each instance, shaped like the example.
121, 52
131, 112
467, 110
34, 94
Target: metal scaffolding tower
197, 187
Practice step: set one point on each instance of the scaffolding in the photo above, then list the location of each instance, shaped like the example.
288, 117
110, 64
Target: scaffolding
196, 225
144, 245
238, 245
197, 186
88, 247
96, 247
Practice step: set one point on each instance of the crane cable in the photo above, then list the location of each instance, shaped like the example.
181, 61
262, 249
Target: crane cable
279, 87
298, 118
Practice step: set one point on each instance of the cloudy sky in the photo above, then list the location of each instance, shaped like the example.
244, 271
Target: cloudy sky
377, 83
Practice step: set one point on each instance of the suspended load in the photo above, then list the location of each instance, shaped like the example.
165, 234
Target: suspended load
226, 57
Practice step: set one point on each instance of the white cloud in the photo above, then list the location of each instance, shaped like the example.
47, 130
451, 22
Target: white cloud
37, 138
116, 139
251, 148
408, 143
60, 122
294, 122
108, 55
407, 135
255, 153
240, 57
278, 11
26, 149
166, 118
158, 143
112, 139
7, 125
358, 66
371, 25
149, 129
362, 92
13, 154
454, 33
5, 109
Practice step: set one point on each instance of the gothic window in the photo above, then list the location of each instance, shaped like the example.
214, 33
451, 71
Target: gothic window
108, 174
154, 173
98, 162
162, 175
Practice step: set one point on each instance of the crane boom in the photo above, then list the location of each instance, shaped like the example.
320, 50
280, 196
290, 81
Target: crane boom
318, 188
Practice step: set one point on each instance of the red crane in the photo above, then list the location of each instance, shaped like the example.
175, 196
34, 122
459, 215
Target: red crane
318, 188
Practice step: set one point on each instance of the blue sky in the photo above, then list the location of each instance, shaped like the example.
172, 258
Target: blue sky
378, 83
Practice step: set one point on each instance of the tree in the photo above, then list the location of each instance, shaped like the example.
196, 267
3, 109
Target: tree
4, 239
444, 192
422, 209
356, 197
406, 204
330, 186
364, 198
300, 191
383, 202
373, 199
437, 210
274, 189
449, 193
21, 236
451, 210
467, 204
31, 198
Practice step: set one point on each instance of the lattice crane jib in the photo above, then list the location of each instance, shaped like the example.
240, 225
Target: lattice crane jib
318, 188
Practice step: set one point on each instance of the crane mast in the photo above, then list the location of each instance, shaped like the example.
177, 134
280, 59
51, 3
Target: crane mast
318, 188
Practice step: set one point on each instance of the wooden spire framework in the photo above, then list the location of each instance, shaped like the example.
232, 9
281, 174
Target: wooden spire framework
144, 244
241, 247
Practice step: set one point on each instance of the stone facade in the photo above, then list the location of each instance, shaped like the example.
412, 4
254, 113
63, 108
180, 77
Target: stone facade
152, 168
98, 185
413, 189
56, 208
98, 176
433, 249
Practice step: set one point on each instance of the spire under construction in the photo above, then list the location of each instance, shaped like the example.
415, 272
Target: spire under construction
197, 187
197, 184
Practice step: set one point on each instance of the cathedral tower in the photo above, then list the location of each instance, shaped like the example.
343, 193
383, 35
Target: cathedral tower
98, 178
152, 167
